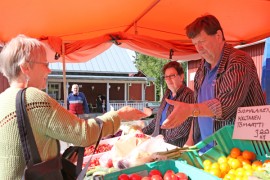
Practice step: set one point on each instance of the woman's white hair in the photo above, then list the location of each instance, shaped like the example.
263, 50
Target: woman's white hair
18, 51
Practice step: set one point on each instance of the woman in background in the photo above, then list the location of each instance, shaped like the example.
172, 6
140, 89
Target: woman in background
177, 90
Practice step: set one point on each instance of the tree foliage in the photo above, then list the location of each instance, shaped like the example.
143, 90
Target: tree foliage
152, 67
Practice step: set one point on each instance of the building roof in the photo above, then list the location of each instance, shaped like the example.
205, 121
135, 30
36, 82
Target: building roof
100, 79
115, 60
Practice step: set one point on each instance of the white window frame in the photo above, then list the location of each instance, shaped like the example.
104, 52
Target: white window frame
58, 91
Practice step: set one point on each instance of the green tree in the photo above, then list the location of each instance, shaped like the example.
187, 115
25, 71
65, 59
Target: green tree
152, 67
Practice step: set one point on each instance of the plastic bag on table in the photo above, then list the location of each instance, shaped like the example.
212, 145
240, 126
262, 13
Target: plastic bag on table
129, 152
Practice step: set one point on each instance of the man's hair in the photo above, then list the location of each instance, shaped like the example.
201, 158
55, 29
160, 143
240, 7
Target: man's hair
208, 23
19, 51
75, 85
173, 64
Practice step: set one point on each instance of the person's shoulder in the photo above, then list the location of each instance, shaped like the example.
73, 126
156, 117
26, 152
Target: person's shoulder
81, 94
237, 54
35, 90
187, 89
34, 93
37, 96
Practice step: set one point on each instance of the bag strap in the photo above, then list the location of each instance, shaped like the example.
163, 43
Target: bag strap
80, 160
30, 150
83, 172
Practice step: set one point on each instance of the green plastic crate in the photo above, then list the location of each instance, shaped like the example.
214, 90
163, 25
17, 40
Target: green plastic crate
224, 144
175, 165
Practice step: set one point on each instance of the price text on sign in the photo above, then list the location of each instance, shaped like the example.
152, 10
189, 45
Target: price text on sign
252, 123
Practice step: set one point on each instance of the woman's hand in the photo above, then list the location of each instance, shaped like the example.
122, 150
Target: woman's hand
128, 113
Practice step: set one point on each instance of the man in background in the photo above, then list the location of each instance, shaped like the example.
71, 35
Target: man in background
76, 101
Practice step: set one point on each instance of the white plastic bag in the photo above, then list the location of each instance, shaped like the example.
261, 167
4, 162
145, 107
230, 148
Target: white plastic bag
132, 151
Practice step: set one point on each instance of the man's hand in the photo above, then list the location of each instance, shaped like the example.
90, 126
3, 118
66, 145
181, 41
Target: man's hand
180, 113
147, 111
128, 113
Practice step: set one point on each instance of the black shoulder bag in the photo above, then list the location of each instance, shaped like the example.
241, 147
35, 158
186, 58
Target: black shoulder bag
57, 168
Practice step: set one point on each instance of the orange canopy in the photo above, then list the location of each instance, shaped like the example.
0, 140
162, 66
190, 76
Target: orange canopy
81, 29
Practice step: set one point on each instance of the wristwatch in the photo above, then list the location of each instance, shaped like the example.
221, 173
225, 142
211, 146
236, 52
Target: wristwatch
196, 111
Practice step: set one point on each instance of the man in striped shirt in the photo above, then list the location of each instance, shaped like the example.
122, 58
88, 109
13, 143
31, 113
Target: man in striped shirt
225, 80
177, 90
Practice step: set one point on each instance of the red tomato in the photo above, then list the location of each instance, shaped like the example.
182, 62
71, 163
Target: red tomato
156, 177
170, 171
170, 175
155, 172
181, 176
135, 177
109, 163
146, 178
123, 177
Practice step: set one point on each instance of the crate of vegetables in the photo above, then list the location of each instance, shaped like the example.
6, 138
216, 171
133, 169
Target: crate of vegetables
167, 169
229, 157
223, 146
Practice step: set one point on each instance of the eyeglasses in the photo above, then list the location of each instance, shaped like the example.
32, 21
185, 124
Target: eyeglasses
172, 76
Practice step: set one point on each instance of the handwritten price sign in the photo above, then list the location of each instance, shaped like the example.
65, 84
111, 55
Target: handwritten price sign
252, 123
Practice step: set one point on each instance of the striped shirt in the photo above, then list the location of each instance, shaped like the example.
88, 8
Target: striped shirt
179, 135
237, 85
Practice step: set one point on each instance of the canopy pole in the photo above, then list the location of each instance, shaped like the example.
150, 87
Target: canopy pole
64, 75
108, 97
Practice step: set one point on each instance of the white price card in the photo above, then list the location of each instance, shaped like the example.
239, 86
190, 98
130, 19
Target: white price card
252, 123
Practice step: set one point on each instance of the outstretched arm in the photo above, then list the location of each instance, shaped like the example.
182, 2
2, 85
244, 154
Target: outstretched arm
128, 113
182, 111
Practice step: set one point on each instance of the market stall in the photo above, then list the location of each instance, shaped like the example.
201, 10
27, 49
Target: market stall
76, 31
